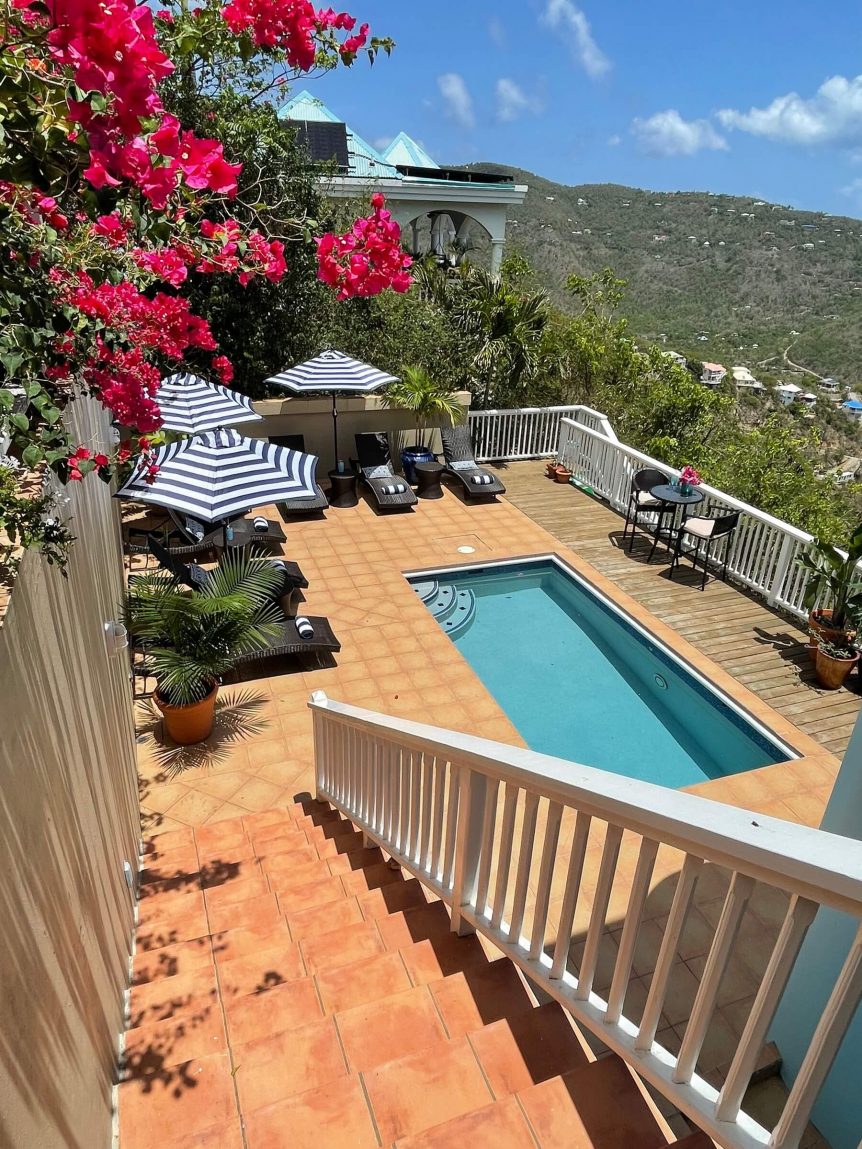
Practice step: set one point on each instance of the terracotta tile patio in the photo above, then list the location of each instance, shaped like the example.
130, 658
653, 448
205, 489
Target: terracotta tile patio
283, 903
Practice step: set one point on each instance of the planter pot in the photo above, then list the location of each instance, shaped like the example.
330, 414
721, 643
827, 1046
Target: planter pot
188, 724
818, 624
410, 456
559, 473
832, 672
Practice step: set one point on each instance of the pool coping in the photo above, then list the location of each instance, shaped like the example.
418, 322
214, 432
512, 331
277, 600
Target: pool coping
805, 748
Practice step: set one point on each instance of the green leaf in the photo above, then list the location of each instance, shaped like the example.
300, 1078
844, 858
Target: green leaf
32, 456
21, 422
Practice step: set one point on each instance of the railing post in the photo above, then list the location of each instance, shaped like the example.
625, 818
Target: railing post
322, 765
781, 566
468, 846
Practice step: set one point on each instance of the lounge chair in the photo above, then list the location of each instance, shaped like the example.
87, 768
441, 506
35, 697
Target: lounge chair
460, 462
194, 576
306, 506
290, 641
374, 467
195, 533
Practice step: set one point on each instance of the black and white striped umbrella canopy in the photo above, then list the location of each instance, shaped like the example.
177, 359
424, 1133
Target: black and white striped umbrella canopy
332, 371
219, 474
335, 372
190, 403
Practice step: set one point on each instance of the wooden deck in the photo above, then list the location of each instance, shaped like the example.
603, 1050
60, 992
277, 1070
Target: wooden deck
764, 650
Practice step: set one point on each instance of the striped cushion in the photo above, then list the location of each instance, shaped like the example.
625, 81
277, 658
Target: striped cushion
481, 479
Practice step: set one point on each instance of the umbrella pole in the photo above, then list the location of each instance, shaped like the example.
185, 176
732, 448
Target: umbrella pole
335, 430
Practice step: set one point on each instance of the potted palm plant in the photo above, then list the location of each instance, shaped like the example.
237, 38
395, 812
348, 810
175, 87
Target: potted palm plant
834, 578
191, 638
429, 400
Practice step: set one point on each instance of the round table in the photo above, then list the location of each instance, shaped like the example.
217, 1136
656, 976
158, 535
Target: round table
342, 489
428, 480
670, 498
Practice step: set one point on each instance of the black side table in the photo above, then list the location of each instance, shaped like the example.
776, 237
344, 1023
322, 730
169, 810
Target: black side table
342, 489
428, 477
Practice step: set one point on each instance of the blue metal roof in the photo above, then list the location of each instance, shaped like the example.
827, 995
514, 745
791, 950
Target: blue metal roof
364, 160
404, 150
853, 404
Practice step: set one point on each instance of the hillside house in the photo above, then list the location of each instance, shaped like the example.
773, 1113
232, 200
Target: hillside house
437, 208
853, 408
788, 393
744, 380
713, 374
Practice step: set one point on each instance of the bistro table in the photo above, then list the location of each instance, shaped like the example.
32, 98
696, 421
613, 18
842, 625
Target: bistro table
243, 534
343, 489
670, 498
428, 480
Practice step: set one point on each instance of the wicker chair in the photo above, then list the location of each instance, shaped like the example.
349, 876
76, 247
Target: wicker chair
641, 502
374, 467
194, 576
309, 505
460, 462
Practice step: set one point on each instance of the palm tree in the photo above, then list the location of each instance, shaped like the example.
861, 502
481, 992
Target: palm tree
504, 326
193, 637
419, 392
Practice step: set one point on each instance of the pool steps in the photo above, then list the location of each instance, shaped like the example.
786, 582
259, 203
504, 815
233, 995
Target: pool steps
453, 608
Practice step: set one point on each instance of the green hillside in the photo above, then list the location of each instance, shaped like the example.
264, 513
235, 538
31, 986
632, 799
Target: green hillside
747, 291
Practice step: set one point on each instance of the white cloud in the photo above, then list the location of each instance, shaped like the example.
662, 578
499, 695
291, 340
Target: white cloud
614, 141
668, 134
513, 101
382, 142
833, 115
459, 102
497, 32
564, 15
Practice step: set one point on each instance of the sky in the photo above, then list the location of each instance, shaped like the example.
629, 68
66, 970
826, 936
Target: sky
746, 98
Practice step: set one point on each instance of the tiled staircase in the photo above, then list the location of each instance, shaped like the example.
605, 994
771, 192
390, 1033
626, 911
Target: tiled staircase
292, 991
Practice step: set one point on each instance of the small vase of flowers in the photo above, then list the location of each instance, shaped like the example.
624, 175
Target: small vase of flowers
688, 480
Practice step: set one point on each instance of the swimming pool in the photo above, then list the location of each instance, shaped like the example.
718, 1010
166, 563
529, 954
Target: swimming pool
581, 680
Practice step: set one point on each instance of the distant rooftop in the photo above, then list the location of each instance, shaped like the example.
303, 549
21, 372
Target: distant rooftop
402, 159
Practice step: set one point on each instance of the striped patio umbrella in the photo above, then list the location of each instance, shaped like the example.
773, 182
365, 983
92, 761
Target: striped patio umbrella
334, 372
192, 404
218, 475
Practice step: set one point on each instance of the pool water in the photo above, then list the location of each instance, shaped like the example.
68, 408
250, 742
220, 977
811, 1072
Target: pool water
581, 681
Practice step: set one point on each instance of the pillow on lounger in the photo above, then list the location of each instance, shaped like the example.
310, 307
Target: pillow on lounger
462, 465
393, 488
303, 627
381, 471
481, 479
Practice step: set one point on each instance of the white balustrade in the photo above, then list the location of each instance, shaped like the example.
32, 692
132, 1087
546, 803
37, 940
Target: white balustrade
762, 550
527, 432
450, 808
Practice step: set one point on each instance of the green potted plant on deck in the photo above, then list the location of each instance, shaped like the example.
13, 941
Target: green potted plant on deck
833, 578
429, 400
833, 661
191, 638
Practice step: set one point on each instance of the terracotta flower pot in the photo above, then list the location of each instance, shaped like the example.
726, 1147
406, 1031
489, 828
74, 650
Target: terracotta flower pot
832, 672
818, 624
559, 473
188, 724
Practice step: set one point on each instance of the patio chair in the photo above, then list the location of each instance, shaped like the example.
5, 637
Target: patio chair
194, 576
642, 502
321, 640
310, 504
195, 533
374, 467
704, 532
460, 463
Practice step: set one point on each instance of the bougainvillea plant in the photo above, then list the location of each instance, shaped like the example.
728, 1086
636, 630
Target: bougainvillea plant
109, 206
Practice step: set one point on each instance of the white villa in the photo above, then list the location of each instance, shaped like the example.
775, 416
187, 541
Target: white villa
713, 374
418, 191
744, 380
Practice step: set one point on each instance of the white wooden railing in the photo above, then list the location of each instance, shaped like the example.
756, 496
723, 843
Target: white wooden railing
481, 824
527, 432
762, 550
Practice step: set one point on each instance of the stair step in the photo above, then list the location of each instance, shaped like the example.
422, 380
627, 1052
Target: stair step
462, 614
599, 1105
442, 604
427, 589
500, 1125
